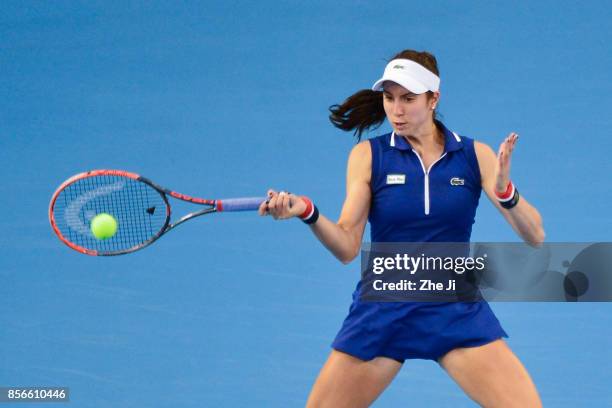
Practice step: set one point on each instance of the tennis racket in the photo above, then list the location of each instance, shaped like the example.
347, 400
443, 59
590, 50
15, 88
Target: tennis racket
140, 207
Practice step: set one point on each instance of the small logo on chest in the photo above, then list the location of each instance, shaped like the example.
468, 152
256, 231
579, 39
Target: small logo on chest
396, 179
457, 181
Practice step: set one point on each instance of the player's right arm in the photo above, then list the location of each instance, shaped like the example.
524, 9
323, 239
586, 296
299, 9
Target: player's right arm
343, 238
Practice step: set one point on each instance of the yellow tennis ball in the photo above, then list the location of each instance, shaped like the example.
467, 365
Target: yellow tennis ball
103, 226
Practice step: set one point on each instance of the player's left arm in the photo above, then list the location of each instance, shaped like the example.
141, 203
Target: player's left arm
495, 175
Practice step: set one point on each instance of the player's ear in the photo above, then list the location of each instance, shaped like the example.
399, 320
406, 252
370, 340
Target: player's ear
435, 99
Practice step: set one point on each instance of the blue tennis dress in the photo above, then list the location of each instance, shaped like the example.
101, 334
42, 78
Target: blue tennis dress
413, 204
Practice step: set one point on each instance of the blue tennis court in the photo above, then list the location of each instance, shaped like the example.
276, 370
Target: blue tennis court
228, 99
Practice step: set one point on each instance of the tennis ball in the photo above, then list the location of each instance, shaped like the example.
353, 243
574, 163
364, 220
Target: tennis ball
103, 226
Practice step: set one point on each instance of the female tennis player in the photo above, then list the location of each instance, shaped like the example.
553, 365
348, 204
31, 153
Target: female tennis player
400, 182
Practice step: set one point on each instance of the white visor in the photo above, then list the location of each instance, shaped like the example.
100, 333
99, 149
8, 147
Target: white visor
409, 74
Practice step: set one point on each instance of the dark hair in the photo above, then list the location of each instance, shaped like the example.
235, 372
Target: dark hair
364, 109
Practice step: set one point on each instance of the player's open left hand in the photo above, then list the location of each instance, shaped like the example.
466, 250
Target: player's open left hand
502, 168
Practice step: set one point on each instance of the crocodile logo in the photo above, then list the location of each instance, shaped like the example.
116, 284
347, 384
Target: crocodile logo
457, 181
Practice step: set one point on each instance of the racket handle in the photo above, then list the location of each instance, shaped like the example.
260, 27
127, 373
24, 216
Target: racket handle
240, 204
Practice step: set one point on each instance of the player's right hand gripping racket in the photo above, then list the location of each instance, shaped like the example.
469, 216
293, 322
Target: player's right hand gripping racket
139, 206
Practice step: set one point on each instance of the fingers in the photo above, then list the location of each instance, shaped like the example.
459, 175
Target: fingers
506, 148
511, 142
508, 144
503, 161
263, 208
278, 205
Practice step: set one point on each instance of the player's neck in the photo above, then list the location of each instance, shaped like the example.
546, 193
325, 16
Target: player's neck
426, 138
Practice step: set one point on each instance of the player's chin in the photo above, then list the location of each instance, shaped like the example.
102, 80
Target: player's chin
403, 130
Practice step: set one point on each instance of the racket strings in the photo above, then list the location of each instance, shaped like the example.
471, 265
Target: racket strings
139, 209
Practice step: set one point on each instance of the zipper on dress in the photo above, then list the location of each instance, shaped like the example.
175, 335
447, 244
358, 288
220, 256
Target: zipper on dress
426, 173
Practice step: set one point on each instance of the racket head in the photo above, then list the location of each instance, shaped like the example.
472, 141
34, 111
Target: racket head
140, 208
